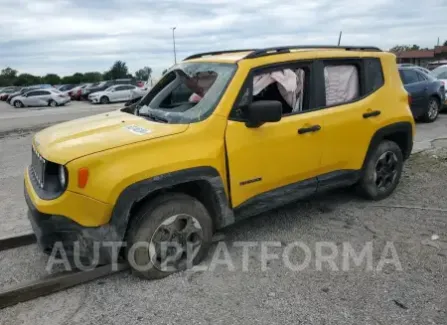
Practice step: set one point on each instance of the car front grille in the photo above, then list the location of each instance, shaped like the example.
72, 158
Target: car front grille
38, 164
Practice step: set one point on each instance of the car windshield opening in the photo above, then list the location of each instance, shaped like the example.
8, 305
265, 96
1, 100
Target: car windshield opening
187, 93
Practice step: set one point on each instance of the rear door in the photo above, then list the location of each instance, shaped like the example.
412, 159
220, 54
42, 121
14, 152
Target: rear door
120, 94
43, 98
127, 92
416, 88
352, 98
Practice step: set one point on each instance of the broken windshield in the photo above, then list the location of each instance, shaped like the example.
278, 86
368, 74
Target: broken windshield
187, 93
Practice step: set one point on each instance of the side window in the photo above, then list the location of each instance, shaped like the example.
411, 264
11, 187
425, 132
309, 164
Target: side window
374, 75
129, 87
421, 76
120, 88
33, 93
190, 90
342, 83
408, 76
442, 75
43, 92
288, 85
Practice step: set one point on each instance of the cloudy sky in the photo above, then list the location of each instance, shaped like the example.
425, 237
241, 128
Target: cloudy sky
67, 36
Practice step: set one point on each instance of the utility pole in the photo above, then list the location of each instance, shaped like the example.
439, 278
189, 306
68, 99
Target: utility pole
173, 41
339, 38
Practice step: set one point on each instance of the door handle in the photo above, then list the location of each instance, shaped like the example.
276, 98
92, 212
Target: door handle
371, 114
313, 128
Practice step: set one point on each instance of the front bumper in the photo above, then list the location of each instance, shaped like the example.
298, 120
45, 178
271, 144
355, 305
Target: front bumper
50, 226
94, 100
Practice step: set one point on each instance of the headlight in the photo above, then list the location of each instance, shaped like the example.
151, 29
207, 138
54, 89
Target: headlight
62, 176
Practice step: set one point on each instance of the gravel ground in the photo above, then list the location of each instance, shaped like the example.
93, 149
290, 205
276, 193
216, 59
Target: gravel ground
416, 294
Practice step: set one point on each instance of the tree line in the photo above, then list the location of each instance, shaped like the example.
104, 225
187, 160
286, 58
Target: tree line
11, 77
414, 47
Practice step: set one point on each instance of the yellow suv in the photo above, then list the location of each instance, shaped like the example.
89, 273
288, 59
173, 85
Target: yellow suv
222, 136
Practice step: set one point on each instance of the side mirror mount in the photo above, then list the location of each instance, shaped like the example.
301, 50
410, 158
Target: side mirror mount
263, 111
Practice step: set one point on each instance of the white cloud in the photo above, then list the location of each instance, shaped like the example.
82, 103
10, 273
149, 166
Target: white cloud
65, 36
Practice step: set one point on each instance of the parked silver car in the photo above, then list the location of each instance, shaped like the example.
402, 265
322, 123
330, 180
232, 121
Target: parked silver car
116, 93
40, 97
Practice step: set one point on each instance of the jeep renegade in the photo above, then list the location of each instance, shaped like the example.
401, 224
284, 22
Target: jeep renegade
221, 137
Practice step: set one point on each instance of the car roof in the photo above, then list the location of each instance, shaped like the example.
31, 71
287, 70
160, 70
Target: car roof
233, 56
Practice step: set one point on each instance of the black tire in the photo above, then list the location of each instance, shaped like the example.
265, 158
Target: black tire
104, 100
369, 184
150, 218
18, 104
52, 103
432, 111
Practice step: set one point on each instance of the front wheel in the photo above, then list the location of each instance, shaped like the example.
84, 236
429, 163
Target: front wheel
18, 104
432, 112
382, 171
169, 234
104, 100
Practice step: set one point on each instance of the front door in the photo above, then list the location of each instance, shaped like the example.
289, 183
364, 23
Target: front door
277, 162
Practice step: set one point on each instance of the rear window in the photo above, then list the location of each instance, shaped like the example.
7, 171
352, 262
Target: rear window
408, 76
374, 73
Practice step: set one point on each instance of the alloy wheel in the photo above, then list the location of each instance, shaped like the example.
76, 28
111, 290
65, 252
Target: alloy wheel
433, 109
386, 170
175, 243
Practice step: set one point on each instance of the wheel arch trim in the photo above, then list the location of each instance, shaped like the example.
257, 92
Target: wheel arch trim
389, 130
137, 192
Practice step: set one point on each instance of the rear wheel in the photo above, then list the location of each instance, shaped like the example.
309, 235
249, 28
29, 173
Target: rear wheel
52, 103
18, 104
382, 171
169, 234
104, 100
432, 112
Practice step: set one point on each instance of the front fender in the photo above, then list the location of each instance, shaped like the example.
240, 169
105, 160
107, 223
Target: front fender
139, 191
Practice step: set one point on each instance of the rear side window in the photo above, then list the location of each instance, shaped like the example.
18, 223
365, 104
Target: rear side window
374, 75
408, 76
421, 76
341, 83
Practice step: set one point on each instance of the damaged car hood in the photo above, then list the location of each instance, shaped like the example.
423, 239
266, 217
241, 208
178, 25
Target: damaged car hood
66, 141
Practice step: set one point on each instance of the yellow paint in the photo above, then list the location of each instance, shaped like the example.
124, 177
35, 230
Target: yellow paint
117, 158
84, 210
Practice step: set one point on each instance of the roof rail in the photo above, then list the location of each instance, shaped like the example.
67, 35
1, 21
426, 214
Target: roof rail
287, 49
199, 55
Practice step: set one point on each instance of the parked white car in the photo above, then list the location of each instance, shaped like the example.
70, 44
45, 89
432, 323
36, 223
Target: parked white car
40, 97
116, 93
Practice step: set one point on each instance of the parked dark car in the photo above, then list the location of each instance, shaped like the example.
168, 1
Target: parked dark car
67, 87
427, 93
20, 92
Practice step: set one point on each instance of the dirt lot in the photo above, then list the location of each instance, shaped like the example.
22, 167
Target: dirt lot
413, 220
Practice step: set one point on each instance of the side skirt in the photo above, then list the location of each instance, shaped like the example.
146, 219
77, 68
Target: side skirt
294, 192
